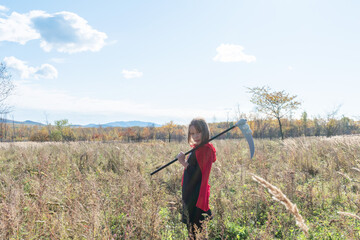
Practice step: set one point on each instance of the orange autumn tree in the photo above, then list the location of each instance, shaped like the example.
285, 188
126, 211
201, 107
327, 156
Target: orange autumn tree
145, 133
273, 103
170, 128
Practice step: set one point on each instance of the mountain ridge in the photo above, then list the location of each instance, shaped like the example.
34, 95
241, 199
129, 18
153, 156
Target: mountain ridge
91, 125
124, 124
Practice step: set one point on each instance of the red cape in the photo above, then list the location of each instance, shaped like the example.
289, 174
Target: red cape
205, 156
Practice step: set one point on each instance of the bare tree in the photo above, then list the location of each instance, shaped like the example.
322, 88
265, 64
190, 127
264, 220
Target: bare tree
13, 126
6, 88
238, 114
48, 125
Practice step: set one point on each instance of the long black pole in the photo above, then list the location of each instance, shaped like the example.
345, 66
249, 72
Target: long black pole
192, 150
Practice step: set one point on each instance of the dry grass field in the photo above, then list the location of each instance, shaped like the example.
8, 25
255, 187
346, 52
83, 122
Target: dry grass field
104, 190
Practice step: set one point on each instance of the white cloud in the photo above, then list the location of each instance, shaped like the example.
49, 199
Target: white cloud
131, 73
16, 28
63, 31
290, 68
3, 9
68, 32
232, 53
46, 71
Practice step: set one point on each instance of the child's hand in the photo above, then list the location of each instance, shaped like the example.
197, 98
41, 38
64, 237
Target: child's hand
181, 158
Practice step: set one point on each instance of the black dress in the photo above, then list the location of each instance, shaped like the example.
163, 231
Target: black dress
190, 192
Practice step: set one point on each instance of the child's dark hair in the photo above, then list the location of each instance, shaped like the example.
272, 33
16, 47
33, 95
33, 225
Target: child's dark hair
200, 126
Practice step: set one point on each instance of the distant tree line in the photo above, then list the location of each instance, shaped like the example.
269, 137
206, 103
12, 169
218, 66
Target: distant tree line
63, 131
265, 128
261, 127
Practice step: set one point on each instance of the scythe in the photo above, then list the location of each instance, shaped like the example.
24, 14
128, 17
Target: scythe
246, 131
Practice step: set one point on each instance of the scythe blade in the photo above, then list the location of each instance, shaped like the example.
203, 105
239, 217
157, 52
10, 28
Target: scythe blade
246, 131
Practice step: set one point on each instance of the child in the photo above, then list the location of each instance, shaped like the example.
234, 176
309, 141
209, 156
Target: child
195, 187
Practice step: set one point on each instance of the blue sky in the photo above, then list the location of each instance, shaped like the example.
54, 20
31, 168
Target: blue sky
103, 61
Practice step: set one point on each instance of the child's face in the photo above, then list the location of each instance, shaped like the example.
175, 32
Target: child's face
195, 135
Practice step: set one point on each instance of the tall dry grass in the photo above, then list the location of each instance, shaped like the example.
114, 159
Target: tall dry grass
279, 196
104, 190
